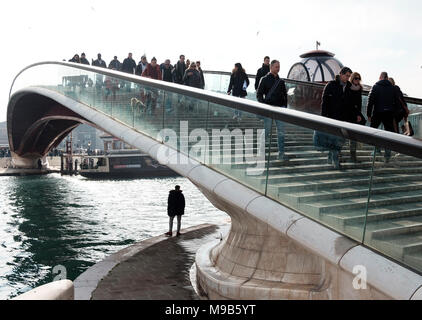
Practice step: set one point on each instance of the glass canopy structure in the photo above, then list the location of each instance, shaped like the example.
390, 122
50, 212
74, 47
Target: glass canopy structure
316, 66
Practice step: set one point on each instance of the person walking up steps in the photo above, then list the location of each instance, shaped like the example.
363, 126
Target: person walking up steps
383, 102
175, 207
239, 82
272, 91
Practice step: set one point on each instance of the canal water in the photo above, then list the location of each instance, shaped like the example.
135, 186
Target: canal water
54, 226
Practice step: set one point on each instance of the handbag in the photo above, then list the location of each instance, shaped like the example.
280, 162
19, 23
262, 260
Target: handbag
325, 141
407, 128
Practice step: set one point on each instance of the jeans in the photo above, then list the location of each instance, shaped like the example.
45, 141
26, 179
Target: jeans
333, 157
280, 133
179, 223
238, 113
387, 119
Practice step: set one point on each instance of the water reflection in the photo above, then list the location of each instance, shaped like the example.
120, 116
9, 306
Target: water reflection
71, 221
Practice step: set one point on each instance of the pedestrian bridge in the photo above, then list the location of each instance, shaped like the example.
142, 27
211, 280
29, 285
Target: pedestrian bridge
300, 229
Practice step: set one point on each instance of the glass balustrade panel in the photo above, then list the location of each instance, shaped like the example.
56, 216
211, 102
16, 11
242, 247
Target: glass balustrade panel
322, 176
394, 223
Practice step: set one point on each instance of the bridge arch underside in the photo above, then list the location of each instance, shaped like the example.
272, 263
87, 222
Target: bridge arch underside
37, 124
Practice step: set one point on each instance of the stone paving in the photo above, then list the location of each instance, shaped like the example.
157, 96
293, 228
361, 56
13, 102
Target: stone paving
154, 269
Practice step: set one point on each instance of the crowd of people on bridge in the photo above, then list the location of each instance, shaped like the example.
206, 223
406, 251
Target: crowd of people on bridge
183, 72
341, 99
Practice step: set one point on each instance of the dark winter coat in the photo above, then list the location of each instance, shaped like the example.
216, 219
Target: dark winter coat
179, 72
84, 61
201, 73
98, 63
176, 203
192, 78
167, 72
279, 96
356, 99
236, 84
261, 73
129, 65
337, 103
401, 111
382, 98
140, 68
115, 64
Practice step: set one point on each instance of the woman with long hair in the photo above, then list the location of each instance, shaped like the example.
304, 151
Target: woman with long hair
356, 98
239, 82
75, 59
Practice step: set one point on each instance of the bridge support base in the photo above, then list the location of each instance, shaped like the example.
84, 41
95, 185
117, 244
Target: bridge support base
257, 262
19, 162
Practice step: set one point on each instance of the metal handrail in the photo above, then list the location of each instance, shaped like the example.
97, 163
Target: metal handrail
311, 84
367, 135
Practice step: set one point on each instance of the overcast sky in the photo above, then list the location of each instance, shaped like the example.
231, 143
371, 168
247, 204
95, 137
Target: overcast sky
368, 36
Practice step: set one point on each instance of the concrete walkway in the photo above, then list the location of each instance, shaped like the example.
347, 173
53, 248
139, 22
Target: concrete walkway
154, 269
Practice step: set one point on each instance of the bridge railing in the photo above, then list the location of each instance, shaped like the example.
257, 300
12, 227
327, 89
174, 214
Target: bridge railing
306, 97
239, 138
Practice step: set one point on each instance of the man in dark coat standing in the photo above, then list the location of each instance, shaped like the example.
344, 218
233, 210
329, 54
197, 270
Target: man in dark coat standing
175, 207
337, 100
166, 69
99, 78
179, 70
383, 103
115, 64
337, 104
272, 91
99, 62
84, 60
129, 65
262, 71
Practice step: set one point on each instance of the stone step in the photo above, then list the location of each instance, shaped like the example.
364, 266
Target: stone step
344, 192
309, 165
401, 244
414, 260
332, 183
381, 170
378, 200
375, 216
392, 232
